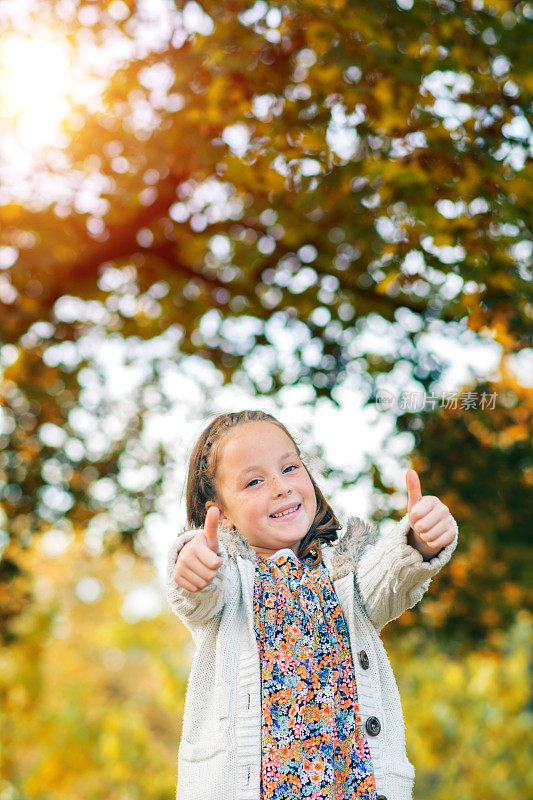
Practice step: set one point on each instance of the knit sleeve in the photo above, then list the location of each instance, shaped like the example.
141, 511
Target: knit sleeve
195, 609
392, 576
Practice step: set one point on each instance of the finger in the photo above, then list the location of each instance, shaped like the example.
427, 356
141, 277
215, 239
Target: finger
177, 577
197, 556
437, 531
211, 527
427, 520
204, 557
414, 490
197, 575
444, 539
191, 587
186, 584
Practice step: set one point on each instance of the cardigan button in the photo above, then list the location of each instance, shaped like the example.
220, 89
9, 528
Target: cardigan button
363, 659
373, 726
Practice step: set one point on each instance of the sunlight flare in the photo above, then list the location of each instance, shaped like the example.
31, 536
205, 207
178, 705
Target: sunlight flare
35, 84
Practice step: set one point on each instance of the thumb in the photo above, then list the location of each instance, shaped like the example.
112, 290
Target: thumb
211, 527
414, 490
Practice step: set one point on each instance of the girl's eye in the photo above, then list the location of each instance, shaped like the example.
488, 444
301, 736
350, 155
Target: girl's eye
292, 466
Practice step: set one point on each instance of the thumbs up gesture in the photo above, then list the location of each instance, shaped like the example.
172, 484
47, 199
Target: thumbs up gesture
198, 560
431, 522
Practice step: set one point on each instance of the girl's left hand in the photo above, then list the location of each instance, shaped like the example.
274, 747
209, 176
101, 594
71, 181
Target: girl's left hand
431, 522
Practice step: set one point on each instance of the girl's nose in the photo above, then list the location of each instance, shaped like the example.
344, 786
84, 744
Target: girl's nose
279, 486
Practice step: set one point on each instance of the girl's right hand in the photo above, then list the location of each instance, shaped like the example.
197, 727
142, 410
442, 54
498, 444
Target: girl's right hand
198, 561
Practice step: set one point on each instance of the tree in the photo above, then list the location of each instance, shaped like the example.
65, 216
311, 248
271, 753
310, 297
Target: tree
419, 218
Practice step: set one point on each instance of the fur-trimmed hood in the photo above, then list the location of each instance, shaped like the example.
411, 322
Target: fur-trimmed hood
342, 555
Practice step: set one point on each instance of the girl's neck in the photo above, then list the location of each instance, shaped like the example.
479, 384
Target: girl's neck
266, 553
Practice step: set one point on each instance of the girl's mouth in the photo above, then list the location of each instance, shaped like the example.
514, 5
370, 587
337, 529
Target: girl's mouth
289, 515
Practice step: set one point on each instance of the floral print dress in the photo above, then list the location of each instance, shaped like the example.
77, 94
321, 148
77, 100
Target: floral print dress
312, 740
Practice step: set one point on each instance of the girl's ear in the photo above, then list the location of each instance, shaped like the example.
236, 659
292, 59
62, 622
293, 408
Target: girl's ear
224, 520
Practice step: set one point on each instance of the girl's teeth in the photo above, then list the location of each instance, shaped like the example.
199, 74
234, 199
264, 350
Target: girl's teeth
284, 513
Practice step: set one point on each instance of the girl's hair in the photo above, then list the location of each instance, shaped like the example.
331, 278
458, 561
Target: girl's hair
201, 485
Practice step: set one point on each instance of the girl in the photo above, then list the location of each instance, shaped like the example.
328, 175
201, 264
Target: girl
291, 694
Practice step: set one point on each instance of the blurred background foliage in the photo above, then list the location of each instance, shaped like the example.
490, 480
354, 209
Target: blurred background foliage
91, 694
93, 688
297, 194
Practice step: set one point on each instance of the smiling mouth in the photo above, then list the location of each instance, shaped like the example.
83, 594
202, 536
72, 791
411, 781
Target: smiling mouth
288, 515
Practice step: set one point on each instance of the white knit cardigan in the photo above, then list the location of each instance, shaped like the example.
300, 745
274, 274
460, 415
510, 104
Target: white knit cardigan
376, 578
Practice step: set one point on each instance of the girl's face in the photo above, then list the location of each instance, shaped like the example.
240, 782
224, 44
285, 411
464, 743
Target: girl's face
259, 473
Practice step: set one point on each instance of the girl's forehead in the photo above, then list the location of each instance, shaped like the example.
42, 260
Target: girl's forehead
254, 440
246, 436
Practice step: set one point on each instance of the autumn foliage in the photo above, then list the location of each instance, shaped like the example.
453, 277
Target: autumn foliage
294, 195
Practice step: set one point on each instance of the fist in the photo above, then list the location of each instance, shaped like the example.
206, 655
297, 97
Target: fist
431, 522
198, 561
